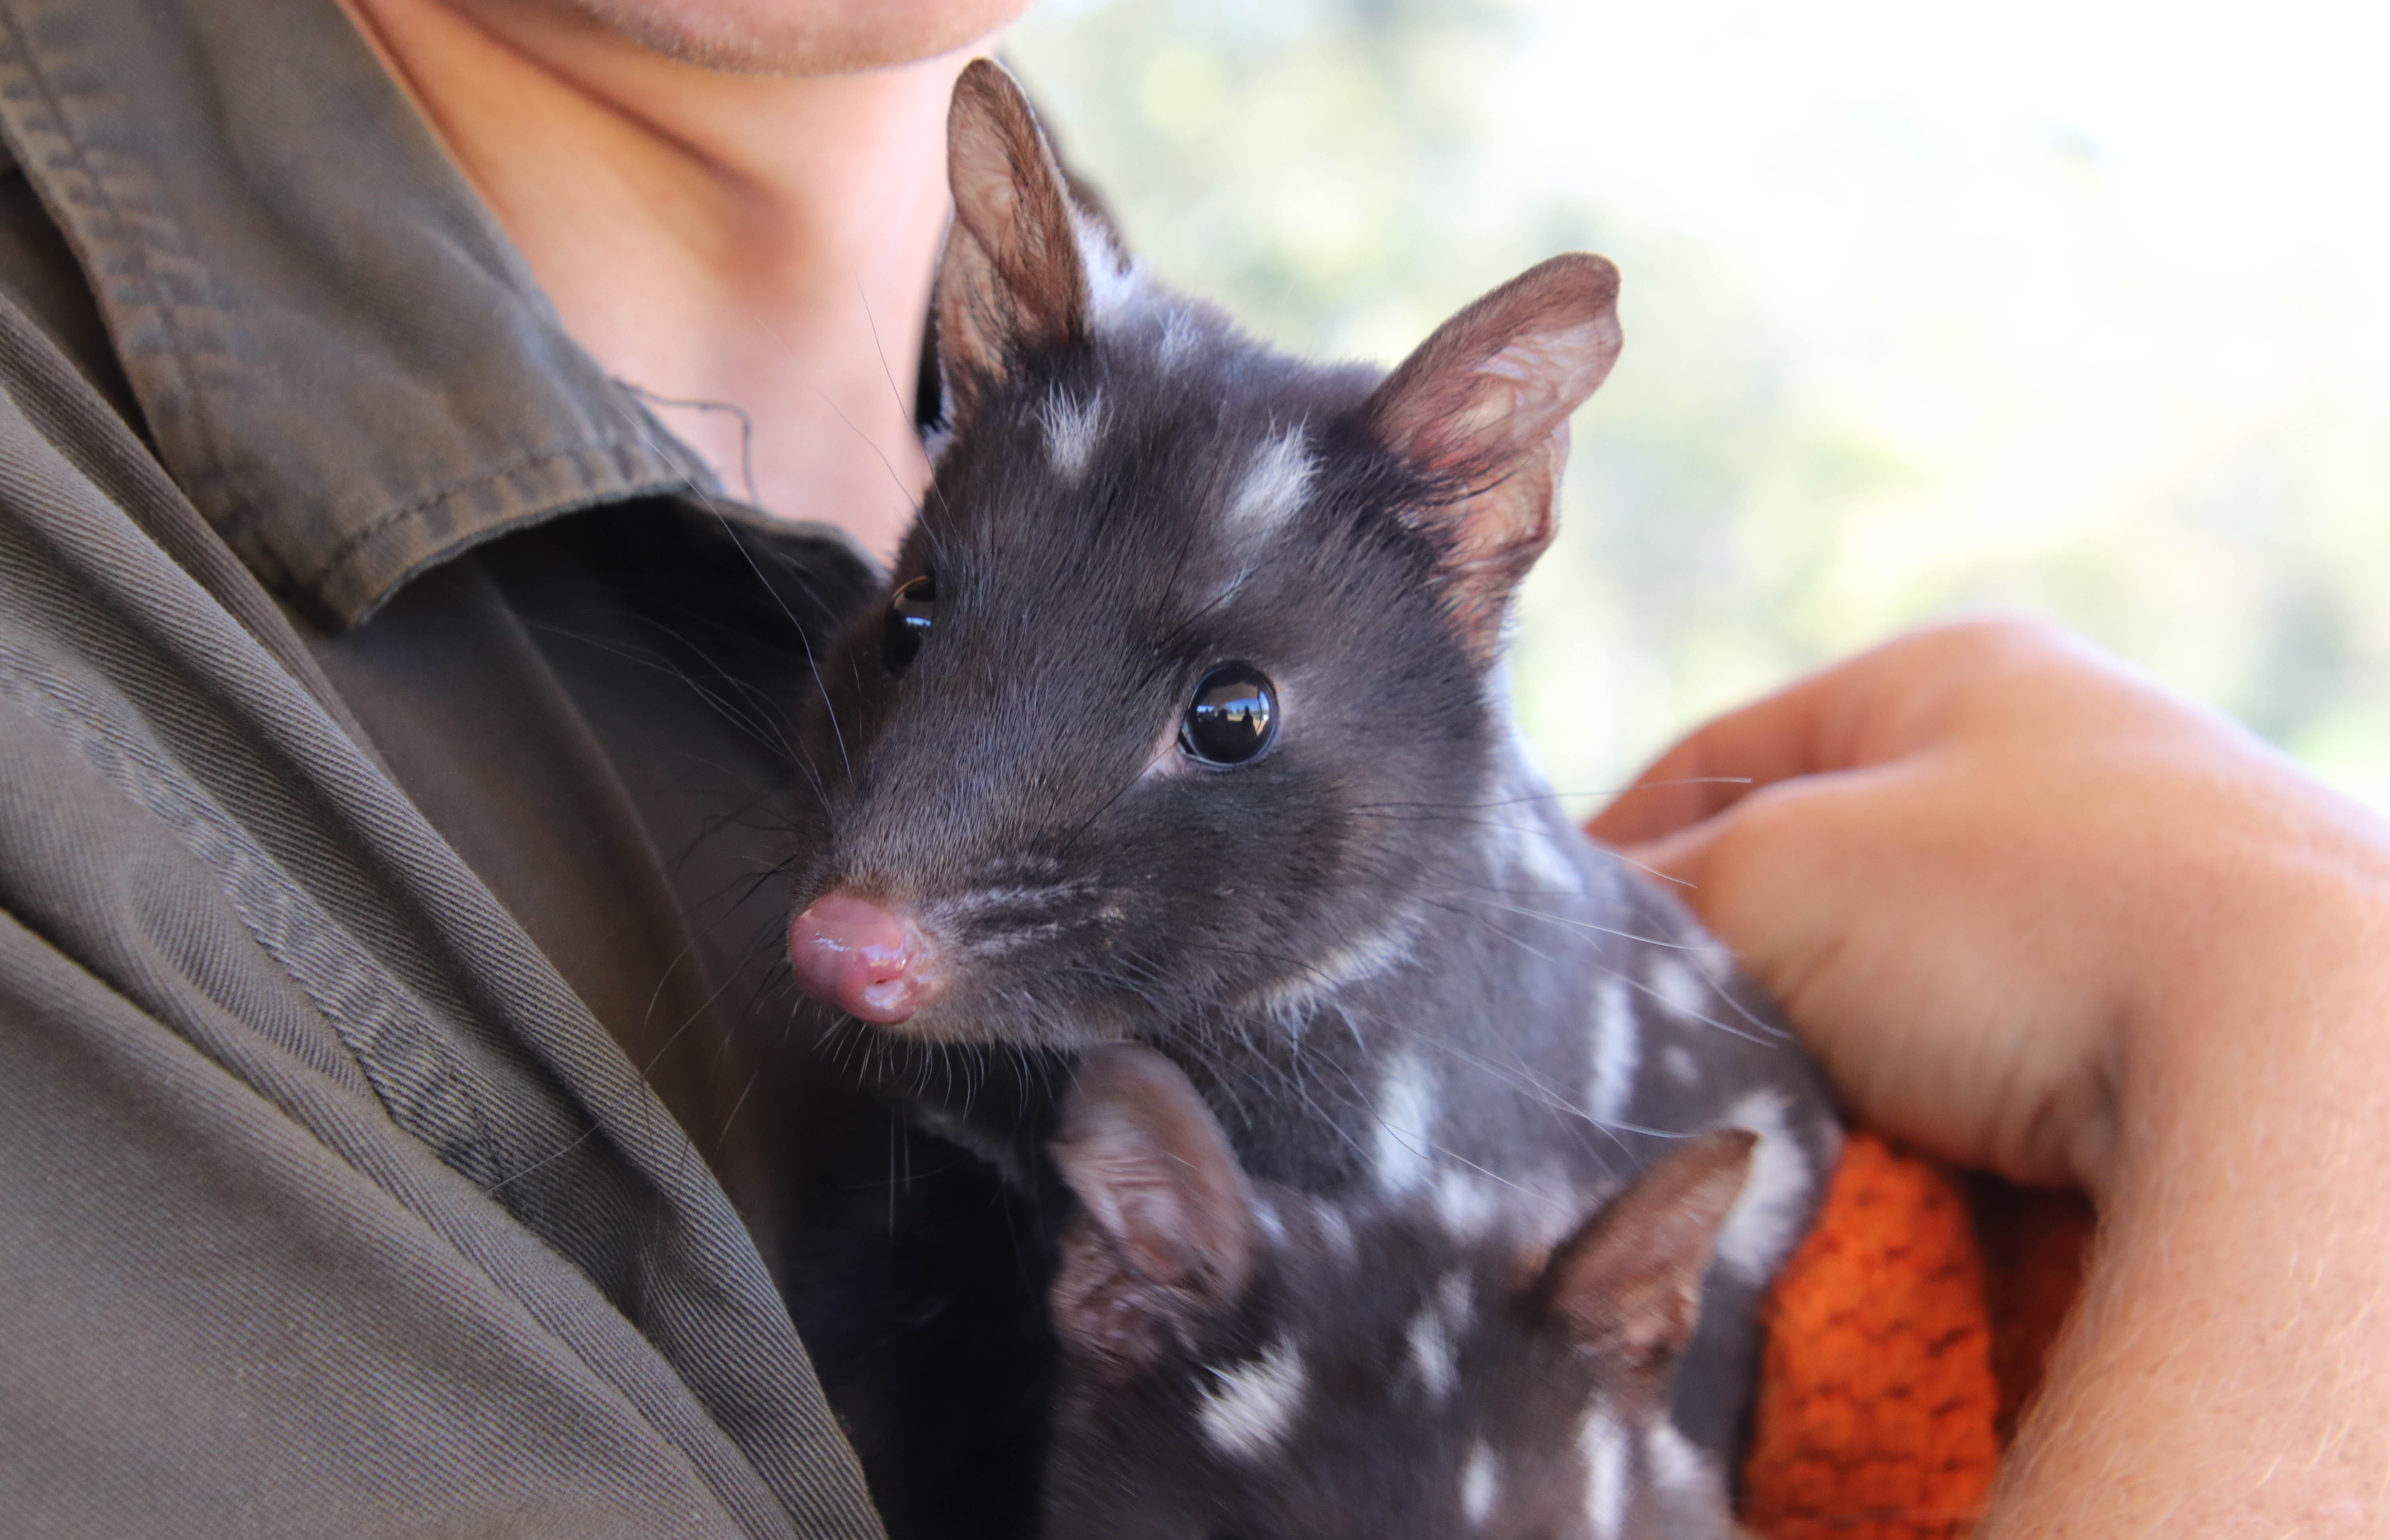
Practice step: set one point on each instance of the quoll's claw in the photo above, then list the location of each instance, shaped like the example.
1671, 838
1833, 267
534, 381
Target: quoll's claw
867, 961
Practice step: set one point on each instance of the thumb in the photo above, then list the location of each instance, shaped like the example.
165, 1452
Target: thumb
1834, 893
1775, 874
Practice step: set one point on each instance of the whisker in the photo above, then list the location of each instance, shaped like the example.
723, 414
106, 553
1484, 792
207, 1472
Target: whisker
795, 627
746, 426
1528, 799
903, 492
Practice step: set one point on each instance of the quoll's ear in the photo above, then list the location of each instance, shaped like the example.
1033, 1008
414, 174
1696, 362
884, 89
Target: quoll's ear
1013, 277
1164, 1232
1627, 1285
1483, 406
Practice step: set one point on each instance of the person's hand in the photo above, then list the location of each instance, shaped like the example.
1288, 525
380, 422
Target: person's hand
1980, 863
2037, 915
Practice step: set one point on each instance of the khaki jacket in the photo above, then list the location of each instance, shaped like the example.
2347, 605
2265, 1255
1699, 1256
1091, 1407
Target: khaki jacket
386, 845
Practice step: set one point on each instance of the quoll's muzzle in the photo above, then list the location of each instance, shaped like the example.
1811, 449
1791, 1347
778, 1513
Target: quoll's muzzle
873, 963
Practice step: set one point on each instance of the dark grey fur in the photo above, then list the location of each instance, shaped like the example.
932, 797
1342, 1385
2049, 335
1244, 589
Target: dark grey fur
1245, 1360
1396, 970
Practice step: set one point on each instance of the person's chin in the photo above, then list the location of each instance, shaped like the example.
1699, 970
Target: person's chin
803, 37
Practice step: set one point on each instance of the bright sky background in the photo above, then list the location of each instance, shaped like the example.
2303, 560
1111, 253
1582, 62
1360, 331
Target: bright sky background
2234, 137
2082, 306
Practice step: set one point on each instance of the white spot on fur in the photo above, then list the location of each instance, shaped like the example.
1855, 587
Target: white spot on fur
1272, 489
1673, 1462
1072, 429
1765, 1219
1716, 962
1481, 1484
1179, 336
1364, 957
1265, 1219
1250, 1410
1336, 1233
1406, 1125
1457, 1299
1431, 1354
1113, 286
1617, 1048
1603, 1443
1682, 1067
1466, 1205
1544, 868
1434, 1334
1678, 988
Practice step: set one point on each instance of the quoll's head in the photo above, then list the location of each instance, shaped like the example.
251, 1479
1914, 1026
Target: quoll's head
1180, 679
1240, 1368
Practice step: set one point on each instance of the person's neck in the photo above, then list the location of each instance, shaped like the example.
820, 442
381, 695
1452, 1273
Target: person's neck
765, 243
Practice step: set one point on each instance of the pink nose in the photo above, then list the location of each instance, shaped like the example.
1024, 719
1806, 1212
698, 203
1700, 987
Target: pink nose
861, 958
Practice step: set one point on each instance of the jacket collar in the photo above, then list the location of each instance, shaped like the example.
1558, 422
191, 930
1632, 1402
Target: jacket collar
340, 358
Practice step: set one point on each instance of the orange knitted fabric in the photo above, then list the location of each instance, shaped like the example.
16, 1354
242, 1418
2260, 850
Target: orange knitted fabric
1895, 1363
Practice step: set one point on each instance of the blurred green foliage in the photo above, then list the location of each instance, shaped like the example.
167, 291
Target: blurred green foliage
1956, 371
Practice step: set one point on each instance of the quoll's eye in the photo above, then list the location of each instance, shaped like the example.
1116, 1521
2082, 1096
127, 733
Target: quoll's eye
1233, 717
908, 621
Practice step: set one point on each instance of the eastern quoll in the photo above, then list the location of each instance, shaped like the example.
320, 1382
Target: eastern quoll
1247, 1360
1181, 723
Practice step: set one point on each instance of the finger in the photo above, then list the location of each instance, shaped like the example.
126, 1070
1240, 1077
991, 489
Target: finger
1945, 1012
1725, 759
1761, 870
1866, 709
1780, 879
1675, 856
